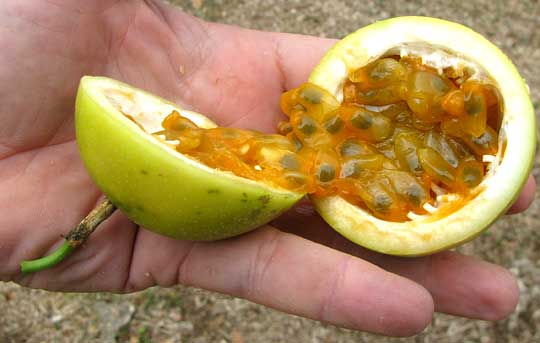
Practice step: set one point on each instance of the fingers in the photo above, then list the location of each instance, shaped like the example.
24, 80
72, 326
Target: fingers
460, 285
526, 197
294, 56
297, 55
290, 274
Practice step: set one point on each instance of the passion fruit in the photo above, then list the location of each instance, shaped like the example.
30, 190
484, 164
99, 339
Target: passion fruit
504, 142
411, 136
118, 128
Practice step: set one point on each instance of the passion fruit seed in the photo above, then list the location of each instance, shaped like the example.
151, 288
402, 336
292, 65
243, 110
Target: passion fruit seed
470, 174
311, 95
326, 165
394, 110
361, 119
485, 144
379, 197
436, 166
290, 162
408, 188
353, 147
306, 125
438, 142
284, 128
454, 102
298, 145
406, 150
326, 172
333, 125
380, 96
311, 98
351, 169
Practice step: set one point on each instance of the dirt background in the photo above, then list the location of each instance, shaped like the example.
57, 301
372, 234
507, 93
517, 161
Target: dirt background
182, 314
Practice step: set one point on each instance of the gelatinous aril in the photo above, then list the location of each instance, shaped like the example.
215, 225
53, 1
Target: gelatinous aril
406, 151
309, 97
333, 124
358, 117
367, 125
474, 120
486, 144
353, 147
408, 188
440, 144
382, 96
351, 168
379, 197
326, 165
454, 103
452, 127
392, 111
429, 83
380, 73
436, 166
470, 174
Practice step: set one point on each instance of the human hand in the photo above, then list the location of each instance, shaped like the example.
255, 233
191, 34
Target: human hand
298, 264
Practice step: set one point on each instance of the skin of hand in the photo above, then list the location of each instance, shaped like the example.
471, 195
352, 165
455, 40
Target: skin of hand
236, 76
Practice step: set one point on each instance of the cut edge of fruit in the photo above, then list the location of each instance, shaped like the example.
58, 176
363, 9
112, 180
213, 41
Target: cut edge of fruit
507, 172
95, 87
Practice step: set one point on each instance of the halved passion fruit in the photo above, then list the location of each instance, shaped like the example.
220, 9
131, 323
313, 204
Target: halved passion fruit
139, 170
474, 137
411, 136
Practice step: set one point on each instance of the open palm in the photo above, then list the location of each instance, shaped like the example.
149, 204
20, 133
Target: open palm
235, 76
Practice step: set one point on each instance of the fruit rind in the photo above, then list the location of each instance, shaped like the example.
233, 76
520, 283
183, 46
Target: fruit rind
503, 182
158, 187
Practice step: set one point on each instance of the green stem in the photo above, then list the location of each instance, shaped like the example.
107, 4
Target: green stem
48, 261
75, 238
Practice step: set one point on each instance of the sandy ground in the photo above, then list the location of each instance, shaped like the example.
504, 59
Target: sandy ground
188, 315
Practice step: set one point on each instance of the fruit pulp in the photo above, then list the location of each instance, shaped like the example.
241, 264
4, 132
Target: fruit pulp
403, 135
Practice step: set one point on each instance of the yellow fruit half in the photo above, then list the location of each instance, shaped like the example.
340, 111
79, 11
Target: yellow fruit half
156, 186
440, 44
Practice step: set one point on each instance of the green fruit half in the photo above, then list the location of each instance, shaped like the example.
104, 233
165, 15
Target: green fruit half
440, 44
152, 183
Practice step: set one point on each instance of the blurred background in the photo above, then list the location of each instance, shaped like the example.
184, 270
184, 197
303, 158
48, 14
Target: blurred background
182, 314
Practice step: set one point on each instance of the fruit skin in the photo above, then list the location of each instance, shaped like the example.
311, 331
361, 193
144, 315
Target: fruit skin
493, 196
161, 189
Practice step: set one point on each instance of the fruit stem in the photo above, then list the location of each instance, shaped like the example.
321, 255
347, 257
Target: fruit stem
75, 238
48, 261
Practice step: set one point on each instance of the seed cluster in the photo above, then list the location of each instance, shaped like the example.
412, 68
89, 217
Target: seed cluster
401, 131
